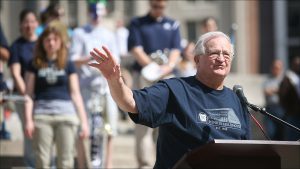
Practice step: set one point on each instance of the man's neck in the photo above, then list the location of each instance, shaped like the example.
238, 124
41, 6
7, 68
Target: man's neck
156, 18
96, 23
214, 83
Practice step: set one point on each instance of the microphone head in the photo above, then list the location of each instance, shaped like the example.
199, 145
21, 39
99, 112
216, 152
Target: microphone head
237, 88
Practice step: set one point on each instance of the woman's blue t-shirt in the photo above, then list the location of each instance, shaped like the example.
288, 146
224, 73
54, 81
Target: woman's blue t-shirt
189, 114
52, 83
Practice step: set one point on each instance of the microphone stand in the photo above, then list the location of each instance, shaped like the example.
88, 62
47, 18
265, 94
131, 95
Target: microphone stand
264, 112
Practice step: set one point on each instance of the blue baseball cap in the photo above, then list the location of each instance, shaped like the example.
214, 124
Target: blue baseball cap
97, 9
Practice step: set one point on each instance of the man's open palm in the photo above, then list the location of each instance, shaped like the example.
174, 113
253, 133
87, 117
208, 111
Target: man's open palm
106, 63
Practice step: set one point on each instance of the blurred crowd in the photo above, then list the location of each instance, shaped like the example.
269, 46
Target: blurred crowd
68, 103
281, 90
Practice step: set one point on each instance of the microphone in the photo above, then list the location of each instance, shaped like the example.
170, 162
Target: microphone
239, 92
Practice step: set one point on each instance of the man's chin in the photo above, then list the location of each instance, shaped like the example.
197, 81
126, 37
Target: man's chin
220, 73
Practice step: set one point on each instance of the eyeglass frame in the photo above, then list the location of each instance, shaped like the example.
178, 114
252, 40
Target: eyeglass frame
218, 53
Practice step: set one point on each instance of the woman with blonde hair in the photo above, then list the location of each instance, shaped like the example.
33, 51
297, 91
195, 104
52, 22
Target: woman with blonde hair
53, 99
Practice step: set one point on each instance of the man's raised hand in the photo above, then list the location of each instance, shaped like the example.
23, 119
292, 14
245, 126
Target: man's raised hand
106, 63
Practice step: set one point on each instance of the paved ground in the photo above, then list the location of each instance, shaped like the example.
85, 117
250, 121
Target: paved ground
124, 147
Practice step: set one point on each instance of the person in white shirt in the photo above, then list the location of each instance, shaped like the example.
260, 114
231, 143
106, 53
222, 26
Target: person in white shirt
102, 110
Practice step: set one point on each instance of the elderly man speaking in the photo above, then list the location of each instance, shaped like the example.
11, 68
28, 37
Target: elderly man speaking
189, 111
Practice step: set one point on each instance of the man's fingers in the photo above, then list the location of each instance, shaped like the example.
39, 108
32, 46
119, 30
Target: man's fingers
96, 57
107, 52
103, 56
95, 65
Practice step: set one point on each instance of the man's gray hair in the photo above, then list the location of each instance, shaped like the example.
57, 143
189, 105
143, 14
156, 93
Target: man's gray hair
200, 47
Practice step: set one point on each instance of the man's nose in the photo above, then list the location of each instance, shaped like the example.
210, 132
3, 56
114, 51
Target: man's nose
221, 57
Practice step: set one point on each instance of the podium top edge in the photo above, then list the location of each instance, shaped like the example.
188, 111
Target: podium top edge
221, 141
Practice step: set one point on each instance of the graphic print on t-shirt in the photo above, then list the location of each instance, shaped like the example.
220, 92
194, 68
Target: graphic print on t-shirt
51, 74
221, 119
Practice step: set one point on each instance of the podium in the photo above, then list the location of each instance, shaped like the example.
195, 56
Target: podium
243, 154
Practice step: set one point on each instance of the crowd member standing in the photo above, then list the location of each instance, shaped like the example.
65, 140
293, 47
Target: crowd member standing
98, 101
51, 16
186, 66
21, 55
271, 92
53, 101
149, 34
289, 93
209, 24
4, 56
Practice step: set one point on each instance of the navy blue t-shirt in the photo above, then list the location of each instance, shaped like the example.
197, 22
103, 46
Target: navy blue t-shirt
52, 83
154, 35
21, 52
189, 114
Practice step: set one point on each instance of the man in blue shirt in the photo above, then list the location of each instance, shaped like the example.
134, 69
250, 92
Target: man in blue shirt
152, 35
190, 111
153, 32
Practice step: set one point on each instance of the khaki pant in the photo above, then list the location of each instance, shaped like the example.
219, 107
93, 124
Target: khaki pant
58, 129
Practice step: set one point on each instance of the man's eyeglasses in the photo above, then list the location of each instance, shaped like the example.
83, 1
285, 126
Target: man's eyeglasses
213, 55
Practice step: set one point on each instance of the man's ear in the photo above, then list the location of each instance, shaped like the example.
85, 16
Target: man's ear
196, 59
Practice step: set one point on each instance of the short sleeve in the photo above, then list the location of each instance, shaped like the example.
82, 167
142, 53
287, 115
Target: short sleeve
134, 38
14, 58
71, 67
31, 67
152, 105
